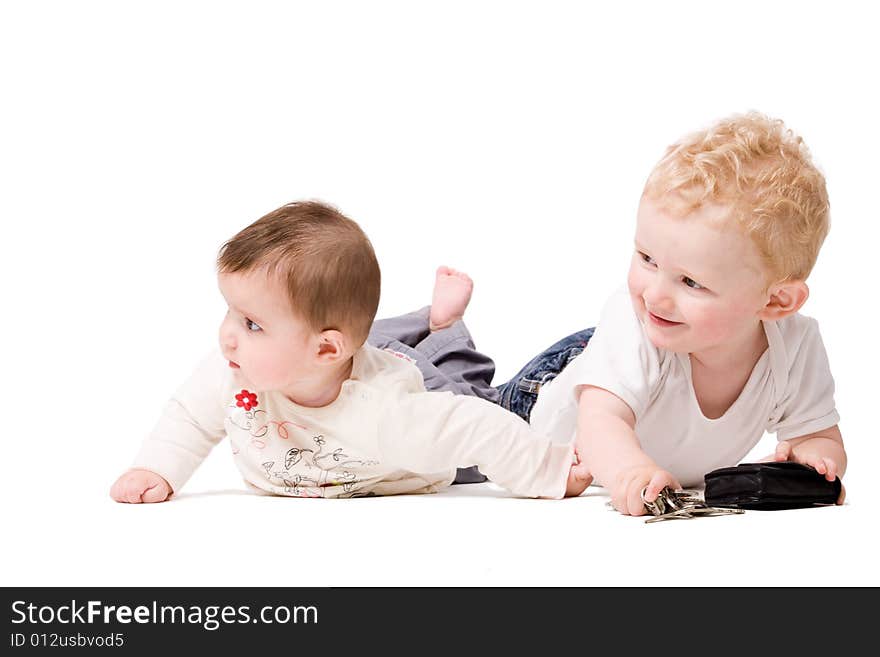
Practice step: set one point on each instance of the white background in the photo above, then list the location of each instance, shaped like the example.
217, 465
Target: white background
509, 139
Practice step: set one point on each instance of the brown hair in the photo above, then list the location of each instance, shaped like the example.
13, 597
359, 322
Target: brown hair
323, 257
765, 174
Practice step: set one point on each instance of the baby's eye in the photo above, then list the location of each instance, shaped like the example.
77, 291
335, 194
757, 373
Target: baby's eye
252, 326
691, 283
648, 259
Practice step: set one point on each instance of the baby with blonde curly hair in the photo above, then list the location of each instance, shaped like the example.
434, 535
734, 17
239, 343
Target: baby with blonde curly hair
704, 349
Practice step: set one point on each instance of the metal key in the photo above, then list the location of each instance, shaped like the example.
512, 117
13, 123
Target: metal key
681, 505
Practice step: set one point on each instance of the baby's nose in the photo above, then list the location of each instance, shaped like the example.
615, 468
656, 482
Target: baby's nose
656, 294
658, 300
227, 338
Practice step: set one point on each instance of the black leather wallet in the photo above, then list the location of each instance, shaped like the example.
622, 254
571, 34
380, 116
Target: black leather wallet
769, 487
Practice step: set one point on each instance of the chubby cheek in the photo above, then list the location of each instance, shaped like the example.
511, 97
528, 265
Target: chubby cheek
267, 372
278, 362
636, 283
714, 323
255, 370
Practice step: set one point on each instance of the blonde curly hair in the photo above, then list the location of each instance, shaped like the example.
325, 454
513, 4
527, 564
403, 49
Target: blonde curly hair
763, 172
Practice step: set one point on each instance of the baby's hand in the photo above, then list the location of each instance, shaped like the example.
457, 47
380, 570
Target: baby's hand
821, 464
579, 478
626, 493
137, 486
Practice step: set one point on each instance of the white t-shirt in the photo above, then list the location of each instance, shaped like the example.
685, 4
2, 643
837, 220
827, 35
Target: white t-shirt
383, 435
790, 392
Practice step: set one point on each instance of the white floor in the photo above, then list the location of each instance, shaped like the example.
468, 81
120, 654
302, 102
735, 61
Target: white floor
467, 535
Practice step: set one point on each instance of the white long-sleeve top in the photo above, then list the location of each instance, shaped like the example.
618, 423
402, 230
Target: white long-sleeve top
383, 435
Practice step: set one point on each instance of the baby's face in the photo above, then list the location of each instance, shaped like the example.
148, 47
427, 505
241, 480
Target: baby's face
696, 286
268, 347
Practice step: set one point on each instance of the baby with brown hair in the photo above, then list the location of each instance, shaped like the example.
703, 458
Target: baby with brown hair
311, 409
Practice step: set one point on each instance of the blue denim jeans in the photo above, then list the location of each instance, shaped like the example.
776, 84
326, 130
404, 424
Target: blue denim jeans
520, 393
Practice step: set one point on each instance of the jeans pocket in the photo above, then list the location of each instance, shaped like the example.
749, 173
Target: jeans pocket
529, 386
522, 404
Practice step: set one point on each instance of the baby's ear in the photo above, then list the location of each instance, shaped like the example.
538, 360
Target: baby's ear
332, 346
786, 298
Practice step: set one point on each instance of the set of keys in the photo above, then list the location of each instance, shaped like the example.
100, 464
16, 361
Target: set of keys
677, 505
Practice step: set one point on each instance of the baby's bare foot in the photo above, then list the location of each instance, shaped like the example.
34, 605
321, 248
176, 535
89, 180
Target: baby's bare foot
452, 293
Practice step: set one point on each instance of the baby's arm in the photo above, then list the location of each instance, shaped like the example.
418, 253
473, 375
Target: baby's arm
823, 451
608, 446
808, 403
189, 427
432, 432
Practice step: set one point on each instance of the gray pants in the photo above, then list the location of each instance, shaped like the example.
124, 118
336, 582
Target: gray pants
447, 359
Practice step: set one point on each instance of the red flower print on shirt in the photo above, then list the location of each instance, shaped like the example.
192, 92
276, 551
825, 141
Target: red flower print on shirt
246, 399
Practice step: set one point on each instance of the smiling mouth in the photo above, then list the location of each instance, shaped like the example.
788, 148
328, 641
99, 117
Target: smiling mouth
233, 365
659, 321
